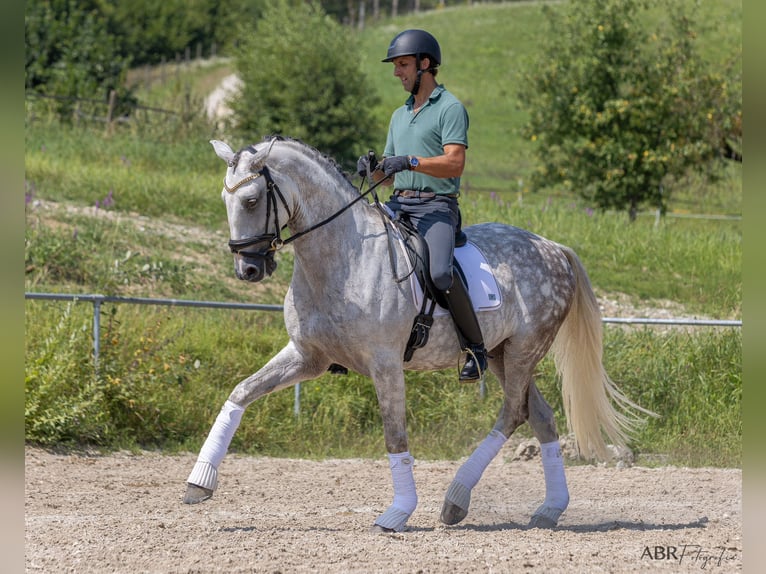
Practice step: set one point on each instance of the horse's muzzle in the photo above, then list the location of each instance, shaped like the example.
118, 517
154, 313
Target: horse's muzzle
254, 268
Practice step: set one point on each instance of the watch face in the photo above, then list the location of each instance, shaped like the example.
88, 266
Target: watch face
414, 162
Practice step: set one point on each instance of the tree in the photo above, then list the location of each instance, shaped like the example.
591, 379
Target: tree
301, 78
69, 51
151, 31
619, 105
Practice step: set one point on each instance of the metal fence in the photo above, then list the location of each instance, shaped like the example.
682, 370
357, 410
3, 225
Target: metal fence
97, 300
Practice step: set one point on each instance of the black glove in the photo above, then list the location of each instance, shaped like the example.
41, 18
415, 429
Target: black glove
366, 162
395, 164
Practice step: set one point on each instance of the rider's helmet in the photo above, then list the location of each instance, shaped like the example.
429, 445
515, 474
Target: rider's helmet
418, 43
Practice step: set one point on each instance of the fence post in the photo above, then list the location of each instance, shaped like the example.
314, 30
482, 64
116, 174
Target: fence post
297, 401
96, 332
110, 109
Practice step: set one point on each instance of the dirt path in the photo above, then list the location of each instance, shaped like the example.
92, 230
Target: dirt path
123, 513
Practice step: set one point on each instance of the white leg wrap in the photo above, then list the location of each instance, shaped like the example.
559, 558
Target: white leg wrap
556, 491
217, 443
405, 494
203, 474
470, 472
468, 475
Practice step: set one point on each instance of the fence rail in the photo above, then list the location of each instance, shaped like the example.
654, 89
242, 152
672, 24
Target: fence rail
97, 300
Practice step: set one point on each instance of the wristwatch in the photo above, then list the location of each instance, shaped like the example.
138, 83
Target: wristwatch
414, 162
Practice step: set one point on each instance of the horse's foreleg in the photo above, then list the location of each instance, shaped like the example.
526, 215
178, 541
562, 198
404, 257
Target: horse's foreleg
556, 492
285, 369
389, 387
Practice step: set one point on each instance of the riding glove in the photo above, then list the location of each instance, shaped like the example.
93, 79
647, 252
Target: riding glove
364, 162
395, 164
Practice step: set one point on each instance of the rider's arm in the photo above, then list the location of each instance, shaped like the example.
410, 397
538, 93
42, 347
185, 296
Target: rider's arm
450, 164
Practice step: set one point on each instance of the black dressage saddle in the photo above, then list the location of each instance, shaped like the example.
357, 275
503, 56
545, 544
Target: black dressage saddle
417, 251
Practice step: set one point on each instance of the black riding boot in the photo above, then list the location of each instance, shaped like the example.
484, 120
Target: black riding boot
469, 331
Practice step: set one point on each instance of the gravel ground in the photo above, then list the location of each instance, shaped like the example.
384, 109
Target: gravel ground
123, 513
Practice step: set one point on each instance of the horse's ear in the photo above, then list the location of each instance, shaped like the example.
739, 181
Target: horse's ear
223, 151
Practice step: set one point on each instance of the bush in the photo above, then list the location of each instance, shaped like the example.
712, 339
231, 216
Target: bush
302, 79
63, 403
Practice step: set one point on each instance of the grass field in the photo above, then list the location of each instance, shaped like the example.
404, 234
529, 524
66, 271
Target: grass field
138, 212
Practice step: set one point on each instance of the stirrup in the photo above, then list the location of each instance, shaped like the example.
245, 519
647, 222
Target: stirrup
475, 364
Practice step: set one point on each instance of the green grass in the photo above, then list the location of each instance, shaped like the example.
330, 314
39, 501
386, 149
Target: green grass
164, 372
157, 178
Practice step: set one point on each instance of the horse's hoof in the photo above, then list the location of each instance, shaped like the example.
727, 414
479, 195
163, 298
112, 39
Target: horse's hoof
545, 517
378, 529
196, 494
392, 520
456, 503
452, 514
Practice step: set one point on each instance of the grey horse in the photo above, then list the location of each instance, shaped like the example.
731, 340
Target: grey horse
345, 307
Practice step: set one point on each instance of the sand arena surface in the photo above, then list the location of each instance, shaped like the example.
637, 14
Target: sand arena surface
123, 513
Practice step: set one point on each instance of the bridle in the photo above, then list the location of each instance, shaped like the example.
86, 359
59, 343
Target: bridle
273, 240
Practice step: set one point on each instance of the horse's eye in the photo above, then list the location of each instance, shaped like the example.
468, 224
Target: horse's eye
250, 202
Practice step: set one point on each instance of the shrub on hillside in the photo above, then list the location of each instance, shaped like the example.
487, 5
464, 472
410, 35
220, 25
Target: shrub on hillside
302, 78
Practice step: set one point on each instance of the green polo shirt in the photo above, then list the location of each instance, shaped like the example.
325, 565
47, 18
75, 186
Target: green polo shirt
442, 120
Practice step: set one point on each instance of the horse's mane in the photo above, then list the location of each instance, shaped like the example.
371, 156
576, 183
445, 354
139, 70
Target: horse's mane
309, 150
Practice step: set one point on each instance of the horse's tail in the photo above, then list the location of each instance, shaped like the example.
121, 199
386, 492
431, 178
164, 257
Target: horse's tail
594, 406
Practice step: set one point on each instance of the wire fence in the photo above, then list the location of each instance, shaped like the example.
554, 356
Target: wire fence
97, 300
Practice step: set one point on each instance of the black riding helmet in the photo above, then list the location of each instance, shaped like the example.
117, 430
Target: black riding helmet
418, 43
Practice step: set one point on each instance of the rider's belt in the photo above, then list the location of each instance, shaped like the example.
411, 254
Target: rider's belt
418, 194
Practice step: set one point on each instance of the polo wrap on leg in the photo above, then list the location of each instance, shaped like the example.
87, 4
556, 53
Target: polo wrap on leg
470, 472
205, 471
556, 491
405, 495
468, 475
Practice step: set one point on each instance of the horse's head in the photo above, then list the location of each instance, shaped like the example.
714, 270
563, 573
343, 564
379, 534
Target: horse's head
256, 208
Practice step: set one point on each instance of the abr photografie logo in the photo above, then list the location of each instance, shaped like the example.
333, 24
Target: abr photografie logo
692, 554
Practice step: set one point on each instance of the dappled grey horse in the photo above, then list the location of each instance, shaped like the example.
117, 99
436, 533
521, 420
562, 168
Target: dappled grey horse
345, 307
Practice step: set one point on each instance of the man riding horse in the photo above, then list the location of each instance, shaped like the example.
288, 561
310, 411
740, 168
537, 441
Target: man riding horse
425, 154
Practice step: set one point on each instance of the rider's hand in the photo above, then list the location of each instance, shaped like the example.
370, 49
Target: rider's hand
365, 163
395, 164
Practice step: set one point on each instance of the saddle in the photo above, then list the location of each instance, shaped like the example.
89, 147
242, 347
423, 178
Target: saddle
417, 252
476, 276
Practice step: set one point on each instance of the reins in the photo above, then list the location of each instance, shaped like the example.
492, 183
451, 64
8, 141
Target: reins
275, 239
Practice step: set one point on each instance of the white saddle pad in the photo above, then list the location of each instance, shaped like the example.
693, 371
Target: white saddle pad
482, 285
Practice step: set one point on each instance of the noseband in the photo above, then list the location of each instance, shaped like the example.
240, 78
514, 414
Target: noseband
273, 240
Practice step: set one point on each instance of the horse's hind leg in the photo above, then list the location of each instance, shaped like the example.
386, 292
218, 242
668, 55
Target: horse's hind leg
512, 414
556, 492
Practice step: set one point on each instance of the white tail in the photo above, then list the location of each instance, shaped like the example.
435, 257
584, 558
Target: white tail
593, 404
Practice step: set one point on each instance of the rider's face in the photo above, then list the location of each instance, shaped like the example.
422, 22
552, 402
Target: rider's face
406, 71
